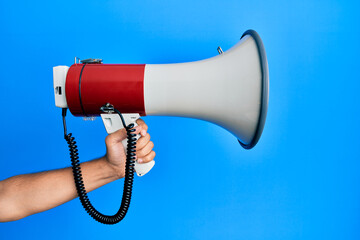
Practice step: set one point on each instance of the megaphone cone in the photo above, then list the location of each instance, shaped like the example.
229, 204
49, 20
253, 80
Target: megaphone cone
230, 90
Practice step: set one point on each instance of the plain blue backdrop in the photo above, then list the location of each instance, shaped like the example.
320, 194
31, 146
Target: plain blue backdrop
301, 181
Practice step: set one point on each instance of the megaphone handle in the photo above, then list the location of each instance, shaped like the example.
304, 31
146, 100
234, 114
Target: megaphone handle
112, 123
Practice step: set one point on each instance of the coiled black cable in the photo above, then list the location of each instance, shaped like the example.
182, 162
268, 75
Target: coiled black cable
129, 175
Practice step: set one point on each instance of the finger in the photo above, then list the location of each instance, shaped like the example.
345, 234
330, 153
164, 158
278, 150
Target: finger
142, 141
145, 150
143, 126
138, 129
147, 158
116, 137
141, 122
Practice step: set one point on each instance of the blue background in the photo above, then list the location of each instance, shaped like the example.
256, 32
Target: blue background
301, 181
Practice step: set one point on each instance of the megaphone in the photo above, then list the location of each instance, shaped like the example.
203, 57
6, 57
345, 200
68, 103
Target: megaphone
230, 90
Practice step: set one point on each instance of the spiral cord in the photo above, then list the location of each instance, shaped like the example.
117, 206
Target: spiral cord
129, 175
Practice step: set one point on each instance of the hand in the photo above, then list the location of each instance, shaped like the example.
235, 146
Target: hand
115, 152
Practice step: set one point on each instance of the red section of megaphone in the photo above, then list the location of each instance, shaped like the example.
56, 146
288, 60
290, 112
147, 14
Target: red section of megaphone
121, 85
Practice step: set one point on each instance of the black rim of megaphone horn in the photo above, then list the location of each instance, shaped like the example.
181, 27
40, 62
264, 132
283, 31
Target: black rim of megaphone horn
264, 91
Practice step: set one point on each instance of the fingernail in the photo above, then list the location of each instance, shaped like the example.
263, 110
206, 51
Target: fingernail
143, 132
140, 160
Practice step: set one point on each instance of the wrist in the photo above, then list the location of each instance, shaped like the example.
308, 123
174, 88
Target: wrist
114, 170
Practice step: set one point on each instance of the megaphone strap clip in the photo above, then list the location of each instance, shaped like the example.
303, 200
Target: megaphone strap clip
91, 61
107, 108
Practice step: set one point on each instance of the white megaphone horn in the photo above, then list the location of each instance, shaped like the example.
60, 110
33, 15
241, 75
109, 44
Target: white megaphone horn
230, 90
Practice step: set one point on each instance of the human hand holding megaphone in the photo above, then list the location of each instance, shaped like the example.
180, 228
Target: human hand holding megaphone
115, 155
112, 123
230, 90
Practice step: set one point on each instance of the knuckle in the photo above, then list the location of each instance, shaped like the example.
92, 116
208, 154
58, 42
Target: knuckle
140, 144
146, 139
148, 158
108, 139
143, 141
151, 155
140, 121
139, 153
138, 128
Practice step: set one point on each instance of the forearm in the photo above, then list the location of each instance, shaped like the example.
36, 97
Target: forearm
23, 195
